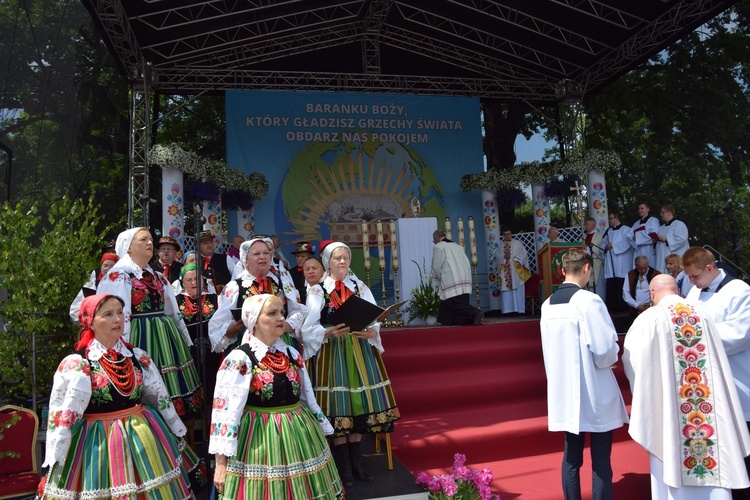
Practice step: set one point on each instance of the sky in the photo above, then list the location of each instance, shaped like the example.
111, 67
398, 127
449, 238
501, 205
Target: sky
531, 150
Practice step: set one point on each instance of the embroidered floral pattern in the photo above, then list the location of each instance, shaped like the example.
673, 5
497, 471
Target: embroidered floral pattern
102, 389
147, 293
63, 418
695, 405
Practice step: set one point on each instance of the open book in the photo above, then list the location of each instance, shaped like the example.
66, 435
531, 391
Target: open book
358, 314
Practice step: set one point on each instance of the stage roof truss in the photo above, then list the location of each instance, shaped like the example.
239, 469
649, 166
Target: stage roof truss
505, 49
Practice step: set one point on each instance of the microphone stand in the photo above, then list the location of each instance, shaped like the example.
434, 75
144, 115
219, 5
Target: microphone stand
202, 342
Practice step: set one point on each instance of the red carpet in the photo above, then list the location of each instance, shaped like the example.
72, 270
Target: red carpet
481, 391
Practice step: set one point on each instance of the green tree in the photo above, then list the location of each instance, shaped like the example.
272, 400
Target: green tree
42, 275
680, 123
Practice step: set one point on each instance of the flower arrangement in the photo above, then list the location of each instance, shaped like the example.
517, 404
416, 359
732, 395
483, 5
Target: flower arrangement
424, 300
539, 172
462, 483
253, 186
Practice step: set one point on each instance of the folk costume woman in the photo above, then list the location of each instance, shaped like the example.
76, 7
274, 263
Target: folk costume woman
112, 427
188, 305
259, 276
267, 431
89, 288
152, 319
349, 378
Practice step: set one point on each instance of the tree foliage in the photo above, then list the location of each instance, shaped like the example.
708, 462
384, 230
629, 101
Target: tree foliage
64, 109
45, 257
680, 123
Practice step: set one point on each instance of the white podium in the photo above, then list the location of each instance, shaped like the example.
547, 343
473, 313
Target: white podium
414, 237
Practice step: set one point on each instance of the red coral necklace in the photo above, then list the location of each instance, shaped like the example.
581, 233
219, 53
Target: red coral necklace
120, 373
276, 362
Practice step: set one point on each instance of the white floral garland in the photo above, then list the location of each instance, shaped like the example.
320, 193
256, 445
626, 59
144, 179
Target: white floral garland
173, 155
539, 172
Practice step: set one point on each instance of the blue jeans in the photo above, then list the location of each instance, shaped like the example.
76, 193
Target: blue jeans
601, 448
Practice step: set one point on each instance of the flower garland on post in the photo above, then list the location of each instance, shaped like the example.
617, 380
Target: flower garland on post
208, 177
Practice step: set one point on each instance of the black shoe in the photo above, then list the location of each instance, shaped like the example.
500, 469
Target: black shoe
341, 458
355, 455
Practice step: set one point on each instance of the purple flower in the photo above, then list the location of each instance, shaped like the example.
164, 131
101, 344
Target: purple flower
448, 484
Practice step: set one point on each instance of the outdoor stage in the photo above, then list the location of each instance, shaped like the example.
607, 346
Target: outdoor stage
481, 391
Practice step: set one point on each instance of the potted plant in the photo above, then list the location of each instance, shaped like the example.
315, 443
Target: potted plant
425, 301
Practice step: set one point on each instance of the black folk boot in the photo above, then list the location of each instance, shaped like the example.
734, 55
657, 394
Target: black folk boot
355, 454
341, 458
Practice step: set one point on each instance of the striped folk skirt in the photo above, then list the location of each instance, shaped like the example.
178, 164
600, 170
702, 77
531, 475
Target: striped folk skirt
281, 454
129, 454
159, 336
352, 387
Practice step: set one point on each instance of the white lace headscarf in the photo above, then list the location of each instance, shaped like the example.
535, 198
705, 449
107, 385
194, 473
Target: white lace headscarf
245, 248
124, 239
328, 251
251, 309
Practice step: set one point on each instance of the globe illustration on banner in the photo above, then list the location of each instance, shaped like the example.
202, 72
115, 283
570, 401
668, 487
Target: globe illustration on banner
332, 187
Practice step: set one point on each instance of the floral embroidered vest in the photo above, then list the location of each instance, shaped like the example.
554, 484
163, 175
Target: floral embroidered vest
104, 396
328, 306
147, 293
269, 389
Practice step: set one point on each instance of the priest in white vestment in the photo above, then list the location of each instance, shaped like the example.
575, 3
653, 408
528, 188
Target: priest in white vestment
686, 411
513, 271
592, 242
451, 273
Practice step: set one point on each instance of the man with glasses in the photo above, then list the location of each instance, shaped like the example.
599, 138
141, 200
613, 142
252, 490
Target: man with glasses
635, 289
673, 238
727, 301
167, 263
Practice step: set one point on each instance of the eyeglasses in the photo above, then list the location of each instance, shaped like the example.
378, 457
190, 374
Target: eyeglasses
167, 250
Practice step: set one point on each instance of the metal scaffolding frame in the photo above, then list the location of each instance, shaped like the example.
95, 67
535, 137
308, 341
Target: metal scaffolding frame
498, 49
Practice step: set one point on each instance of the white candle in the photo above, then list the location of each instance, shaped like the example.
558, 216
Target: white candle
461, 240
381, 249
473, 242
366, 245
394, 246
448, 228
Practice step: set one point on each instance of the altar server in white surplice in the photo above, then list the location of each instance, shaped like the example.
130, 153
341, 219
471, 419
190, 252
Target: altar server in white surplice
618, 261
686, 411
645, 233
579, 344
513, 266
673, 238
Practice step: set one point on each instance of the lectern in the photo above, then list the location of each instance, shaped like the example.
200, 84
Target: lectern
550, 258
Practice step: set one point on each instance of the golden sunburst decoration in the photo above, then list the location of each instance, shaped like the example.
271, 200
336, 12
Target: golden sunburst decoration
344, 181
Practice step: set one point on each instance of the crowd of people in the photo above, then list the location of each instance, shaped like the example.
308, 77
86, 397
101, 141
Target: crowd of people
686, 356
291, 394
161, 337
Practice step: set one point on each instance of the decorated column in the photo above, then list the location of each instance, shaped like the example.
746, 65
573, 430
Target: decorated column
492, 238
172, 204
241, 223
212, 213
597, 190
541, 216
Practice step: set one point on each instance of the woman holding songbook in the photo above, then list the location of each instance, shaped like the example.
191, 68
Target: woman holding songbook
350, 362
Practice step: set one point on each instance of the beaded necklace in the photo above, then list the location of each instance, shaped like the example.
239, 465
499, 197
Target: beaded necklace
275, 361
119, 372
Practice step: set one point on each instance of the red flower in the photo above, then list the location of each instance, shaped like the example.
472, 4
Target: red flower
243, 369
179, 406
98, 381
219, 403
709, 463
114, 275
256, 384
144, 360
137, 297
65, 418
40, 488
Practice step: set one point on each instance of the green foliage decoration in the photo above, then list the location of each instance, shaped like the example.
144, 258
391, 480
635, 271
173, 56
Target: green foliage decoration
424, 300
44, 260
